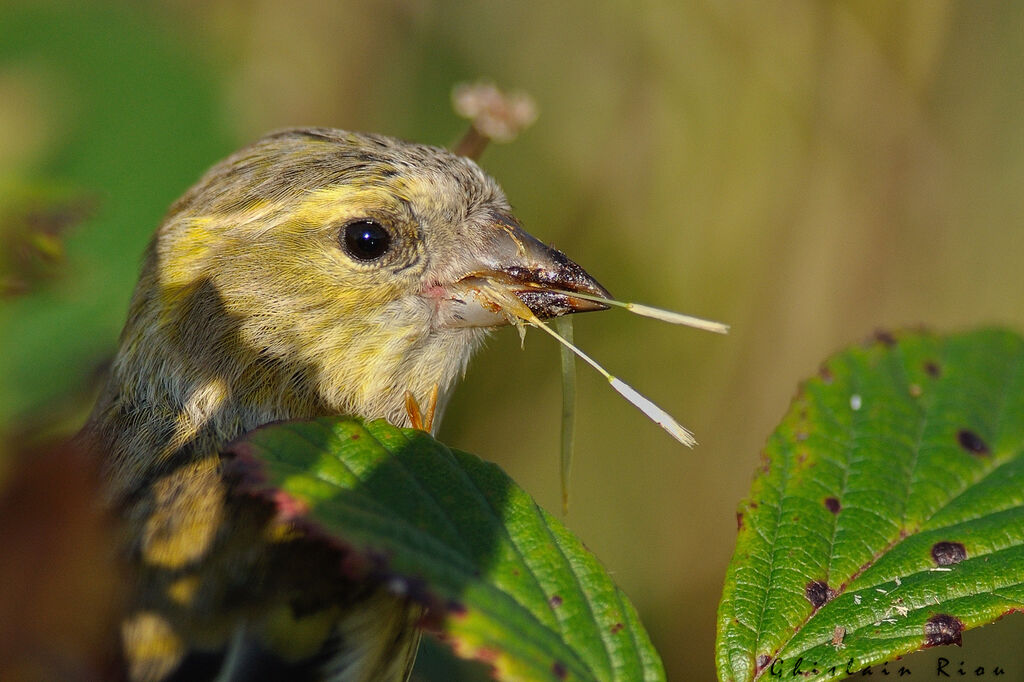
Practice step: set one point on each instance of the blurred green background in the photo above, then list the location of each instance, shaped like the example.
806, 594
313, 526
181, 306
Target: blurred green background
806, 171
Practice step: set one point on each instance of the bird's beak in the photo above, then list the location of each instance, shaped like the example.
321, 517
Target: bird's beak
537, 274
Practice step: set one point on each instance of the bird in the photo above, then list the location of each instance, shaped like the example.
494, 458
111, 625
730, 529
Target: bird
314, 272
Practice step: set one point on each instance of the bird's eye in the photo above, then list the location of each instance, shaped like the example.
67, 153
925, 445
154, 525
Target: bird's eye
365, 240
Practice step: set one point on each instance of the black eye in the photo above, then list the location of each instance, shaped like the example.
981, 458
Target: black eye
365, 240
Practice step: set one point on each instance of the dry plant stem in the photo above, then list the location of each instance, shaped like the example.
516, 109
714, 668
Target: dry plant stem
472, 144
513, 308
564, 327
653, 412
669, 316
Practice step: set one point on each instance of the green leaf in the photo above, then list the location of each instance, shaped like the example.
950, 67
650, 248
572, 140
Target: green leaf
507, 583
888, 514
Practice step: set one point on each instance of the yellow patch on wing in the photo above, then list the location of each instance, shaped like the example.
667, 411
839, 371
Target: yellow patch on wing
152, 648
189, 507
295, 638
183, 590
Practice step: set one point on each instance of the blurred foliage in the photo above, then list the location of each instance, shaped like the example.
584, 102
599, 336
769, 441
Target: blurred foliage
33, 226
806, 171
60, 606
127, 120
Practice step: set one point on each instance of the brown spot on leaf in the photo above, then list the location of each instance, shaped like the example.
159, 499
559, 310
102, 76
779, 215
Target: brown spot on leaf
616, 629
915, 390
762, 661
555, 601
818, 593
932, 369
826, 375
948, 553
457, 608
559, 669
943, 629
739, 521
972, 442
885, 337
832, 504
354, 436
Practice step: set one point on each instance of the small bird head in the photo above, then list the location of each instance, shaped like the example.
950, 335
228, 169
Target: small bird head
319, 271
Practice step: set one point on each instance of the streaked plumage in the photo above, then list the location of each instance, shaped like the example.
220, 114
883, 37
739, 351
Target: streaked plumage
256, 303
